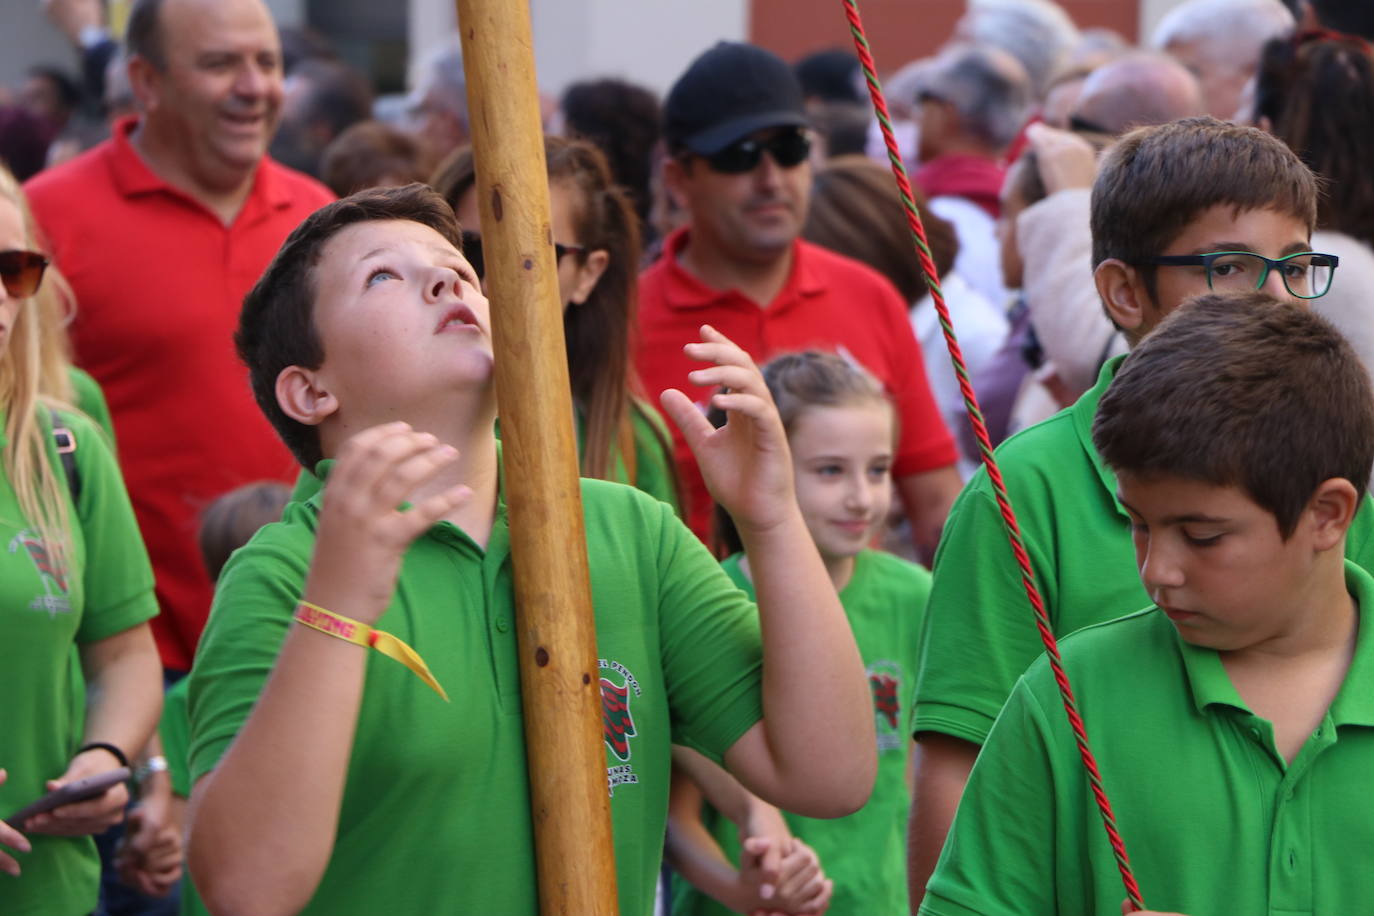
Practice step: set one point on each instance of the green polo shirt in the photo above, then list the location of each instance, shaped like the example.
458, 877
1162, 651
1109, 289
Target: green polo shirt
175, 730
46, 611
435, 815
864, 853
979, 631
1214, 821
654, 472
90, 399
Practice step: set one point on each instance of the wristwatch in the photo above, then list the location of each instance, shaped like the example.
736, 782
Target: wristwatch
157, 764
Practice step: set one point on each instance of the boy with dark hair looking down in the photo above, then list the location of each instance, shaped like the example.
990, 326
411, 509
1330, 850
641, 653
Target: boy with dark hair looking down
1232, 718
329, 779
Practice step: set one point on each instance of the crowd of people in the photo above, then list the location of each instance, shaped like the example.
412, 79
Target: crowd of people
249, 434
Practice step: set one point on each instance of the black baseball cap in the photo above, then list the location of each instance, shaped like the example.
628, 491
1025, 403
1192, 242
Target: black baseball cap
728, 93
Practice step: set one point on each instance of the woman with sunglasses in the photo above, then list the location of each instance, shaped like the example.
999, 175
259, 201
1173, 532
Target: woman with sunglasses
596, 241
73, 573
1315, 91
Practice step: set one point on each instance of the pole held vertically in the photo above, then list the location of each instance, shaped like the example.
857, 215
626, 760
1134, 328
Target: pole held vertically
559, 678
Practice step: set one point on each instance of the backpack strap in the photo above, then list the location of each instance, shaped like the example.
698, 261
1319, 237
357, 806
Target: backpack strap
65, 440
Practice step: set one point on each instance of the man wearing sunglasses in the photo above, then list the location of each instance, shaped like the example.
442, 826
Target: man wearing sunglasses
739, 165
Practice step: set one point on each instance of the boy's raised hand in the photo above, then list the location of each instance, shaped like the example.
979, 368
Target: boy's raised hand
363, 534
746, 463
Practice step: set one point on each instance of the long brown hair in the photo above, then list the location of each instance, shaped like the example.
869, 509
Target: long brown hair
600, 330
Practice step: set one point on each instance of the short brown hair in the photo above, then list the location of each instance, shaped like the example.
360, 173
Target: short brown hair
1157, 180
368, 154
233, 519
857, 211
277, 323
1246, 391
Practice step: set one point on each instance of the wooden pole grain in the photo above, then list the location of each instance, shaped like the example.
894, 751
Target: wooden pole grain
559, 679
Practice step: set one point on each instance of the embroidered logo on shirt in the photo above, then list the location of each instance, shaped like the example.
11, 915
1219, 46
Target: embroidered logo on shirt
617, 722
54, 578
885, 678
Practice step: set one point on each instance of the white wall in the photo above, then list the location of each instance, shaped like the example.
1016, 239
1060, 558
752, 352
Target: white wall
649, 41
26, 38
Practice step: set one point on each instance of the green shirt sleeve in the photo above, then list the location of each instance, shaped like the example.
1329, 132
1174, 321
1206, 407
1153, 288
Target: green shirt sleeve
1000, 855
117, 577
249, 620
175, 731
978, 636
90, 399
654, 469
711, 648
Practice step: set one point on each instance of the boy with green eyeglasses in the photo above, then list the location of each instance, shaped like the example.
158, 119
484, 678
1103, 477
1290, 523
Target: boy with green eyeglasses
1165, 200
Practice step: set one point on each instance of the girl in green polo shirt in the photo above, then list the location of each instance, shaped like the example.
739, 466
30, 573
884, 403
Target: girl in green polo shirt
73, 574
841, 428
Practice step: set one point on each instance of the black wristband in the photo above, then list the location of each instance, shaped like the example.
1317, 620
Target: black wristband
104, 746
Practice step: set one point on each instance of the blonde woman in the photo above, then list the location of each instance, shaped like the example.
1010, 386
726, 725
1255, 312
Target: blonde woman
73, 572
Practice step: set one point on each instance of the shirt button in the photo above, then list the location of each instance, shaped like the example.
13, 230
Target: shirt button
1254, 732
502, 624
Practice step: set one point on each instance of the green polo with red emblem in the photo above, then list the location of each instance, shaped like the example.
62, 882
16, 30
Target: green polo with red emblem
435, 815
864, 853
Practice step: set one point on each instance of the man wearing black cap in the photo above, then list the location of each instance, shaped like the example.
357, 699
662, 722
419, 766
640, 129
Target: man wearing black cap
736, 131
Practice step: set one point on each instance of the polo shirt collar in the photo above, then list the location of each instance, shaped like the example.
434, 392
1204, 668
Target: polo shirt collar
498, 542
1083, 411
1354, 702
133, 176
685, 290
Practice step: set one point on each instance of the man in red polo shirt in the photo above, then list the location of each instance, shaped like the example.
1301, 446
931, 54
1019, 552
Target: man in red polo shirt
739, 166
161, 231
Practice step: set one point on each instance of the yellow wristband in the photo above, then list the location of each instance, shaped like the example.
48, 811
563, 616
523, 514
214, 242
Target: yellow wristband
349, 630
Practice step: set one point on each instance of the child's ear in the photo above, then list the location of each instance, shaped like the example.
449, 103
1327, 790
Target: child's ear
302, 397
588, 273
1123, 295
1331, 510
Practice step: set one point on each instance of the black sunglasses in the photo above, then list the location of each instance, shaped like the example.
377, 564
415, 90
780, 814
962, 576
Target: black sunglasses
472, 250
22, 272
789, 148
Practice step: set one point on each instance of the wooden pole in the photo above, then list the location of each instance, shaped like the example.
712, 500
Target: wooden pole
559, 678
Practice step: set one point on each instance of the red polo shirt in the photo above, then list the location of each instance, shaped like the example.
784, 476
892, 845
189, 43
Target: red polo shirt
830, 302
159, 281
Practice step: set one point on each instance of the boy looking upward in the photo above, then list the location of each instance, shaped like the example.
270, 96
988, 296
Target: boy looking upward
331, 780
1184, 190
1233, 718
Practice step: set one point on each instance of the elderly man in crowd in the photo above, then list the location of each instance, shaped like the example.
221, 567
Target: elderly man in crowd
972, 102
161, 230
1220, 42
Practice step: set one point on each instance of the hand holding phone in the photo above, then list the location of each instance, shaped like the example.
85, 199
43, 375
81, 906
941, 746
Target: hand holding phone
81, 790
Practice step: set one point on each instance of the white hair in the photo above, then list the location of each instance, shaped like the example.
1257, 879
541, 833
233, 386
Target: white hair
1240, 26
440, 78
1038, 33
987, 86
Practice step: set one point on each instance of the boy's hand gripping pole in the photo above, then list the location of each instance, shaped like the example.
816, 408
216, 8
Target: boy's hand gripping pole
560, 685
